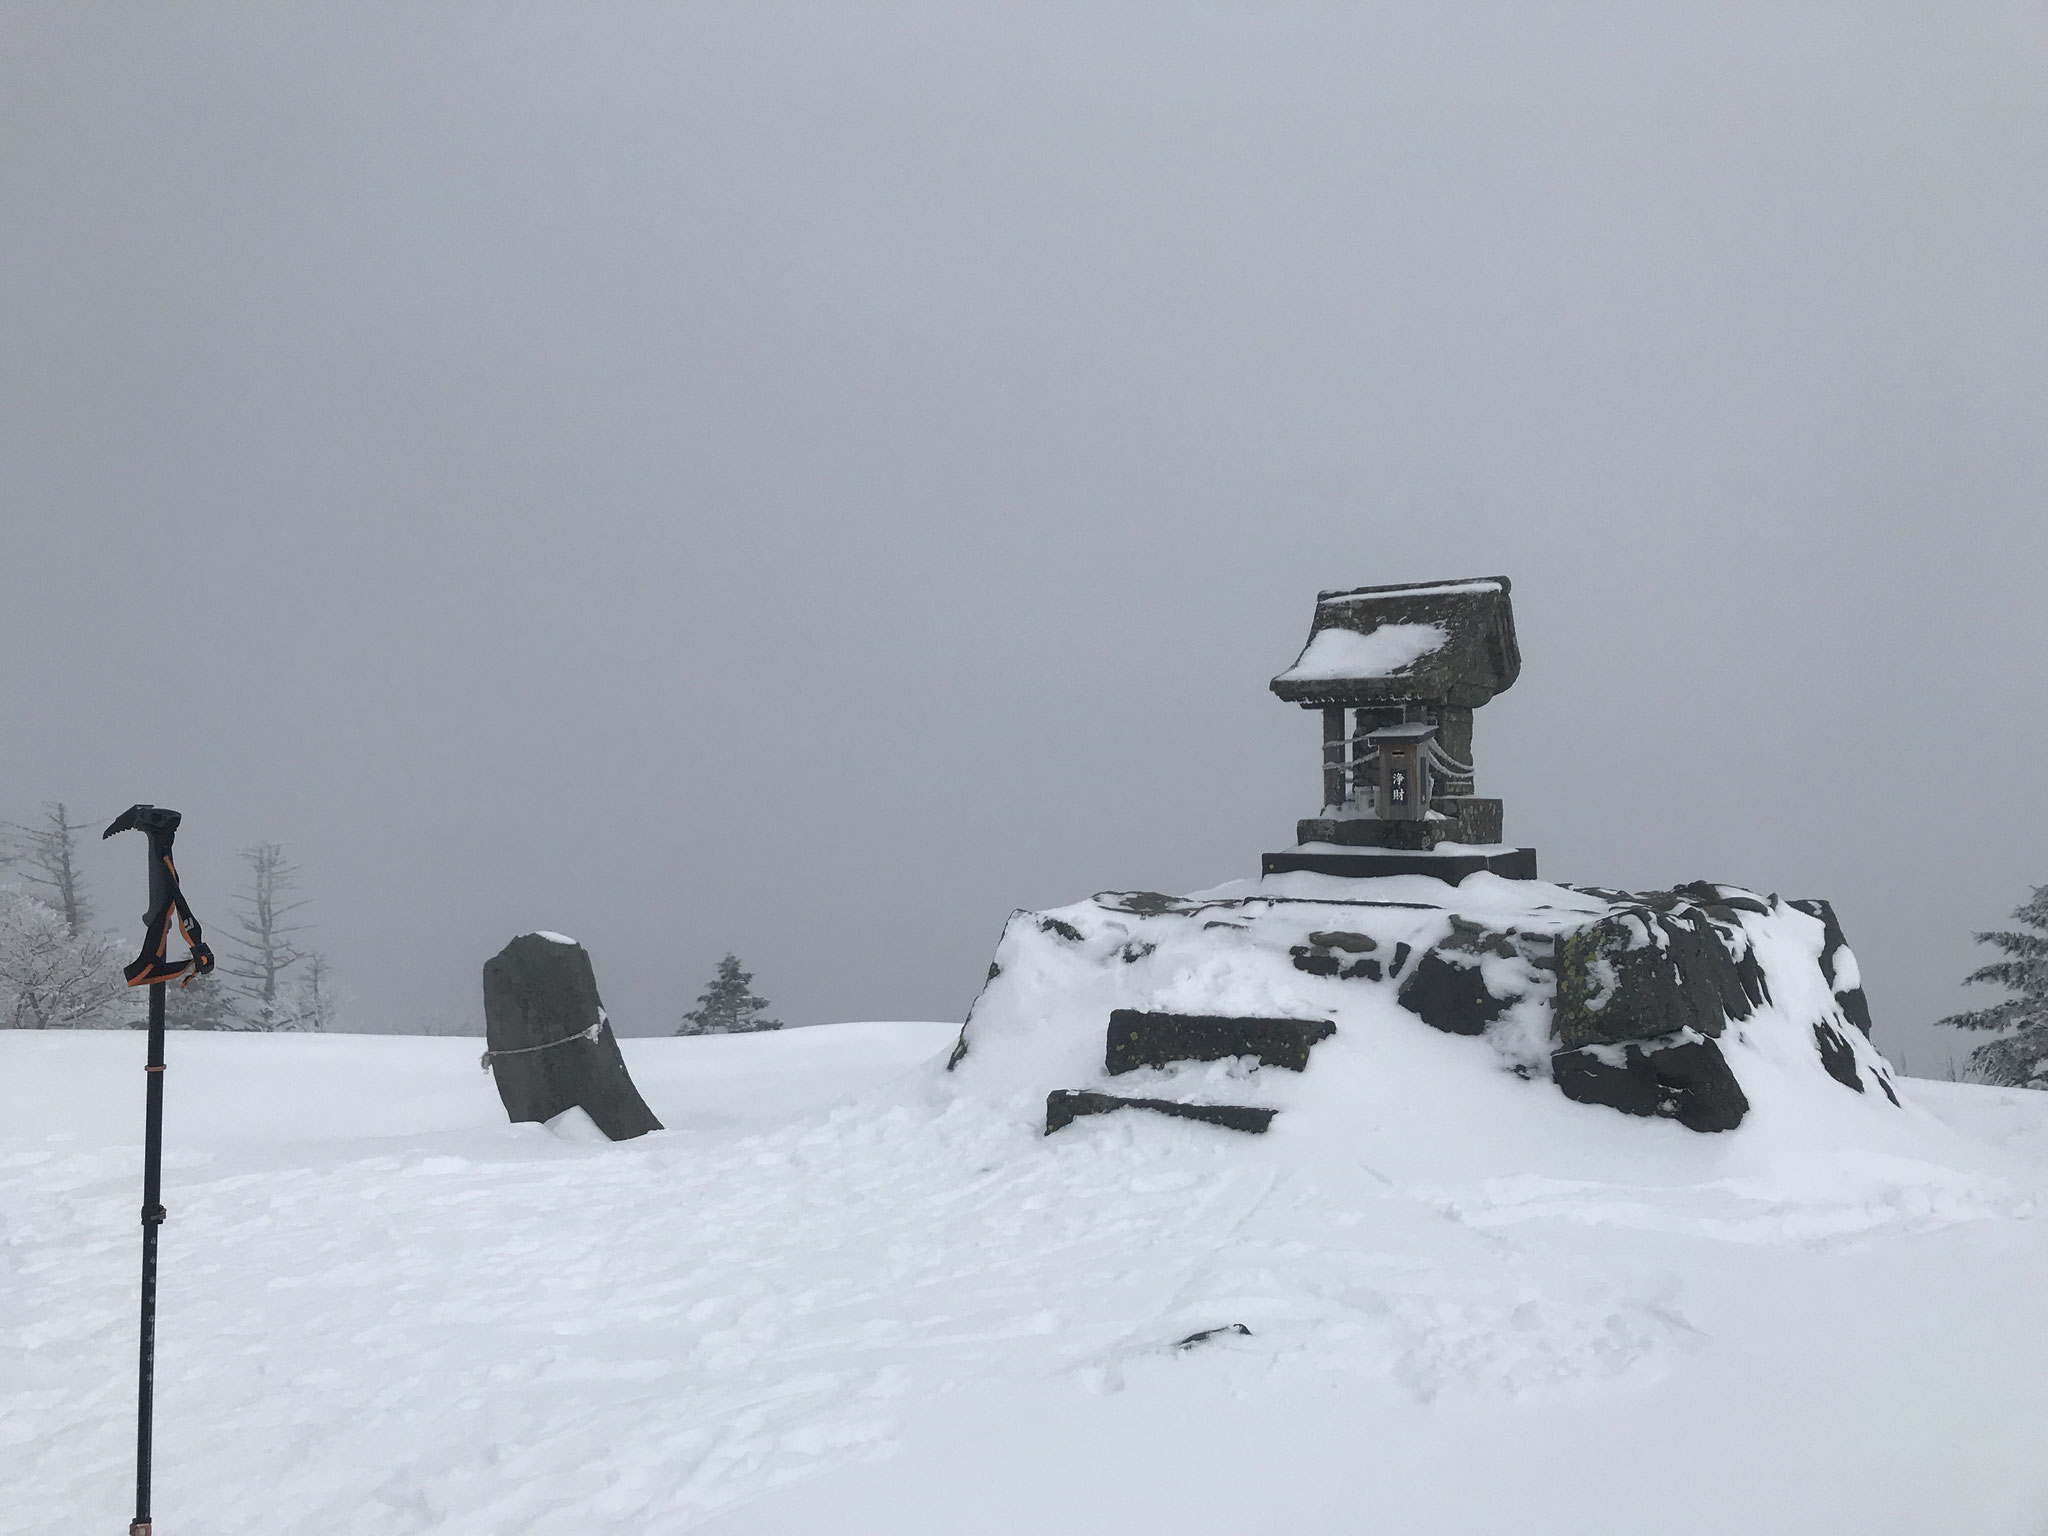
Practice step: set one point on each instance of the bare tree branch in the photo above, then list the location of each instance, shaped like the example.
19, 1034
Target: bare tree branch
260, 946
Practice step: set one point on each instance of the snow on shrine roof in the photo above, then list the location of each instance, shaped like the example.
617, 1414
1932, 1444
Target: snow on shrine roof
1439, 642
1335, 654
1360, 594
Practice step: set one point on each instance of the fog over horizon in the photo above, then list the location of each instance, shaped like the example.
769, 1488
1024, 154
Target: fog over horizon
808, 481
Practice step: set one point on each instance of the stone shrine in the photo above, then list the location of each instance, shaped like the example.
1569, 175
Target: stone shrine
1397, 672
1660, 1004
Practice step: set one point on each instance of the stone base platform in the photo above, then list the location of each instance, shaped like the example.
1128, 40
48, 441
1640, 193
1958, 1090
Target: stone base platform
1449, 862
1462, 819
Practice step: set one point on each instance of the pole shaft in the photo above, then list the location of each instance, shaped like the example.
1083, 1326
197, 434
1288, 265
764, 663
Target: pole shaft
152, 1218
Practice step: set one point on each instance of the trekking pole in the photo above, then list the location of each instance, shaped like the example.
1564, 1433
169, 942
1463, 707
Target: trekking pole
152, 970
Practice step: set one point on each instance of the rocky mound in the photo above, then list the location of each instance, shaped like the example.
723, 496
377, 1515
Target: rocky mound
1661, 1004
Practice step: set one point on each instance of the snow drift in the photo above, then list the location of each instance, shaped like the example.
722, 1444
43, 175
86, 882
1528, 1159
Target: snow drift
850, 1290
847, 1290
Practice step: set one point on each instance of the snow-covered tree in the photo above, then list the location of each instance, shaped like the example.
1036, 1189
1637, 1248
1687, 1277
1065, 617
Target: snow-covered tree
2019, 1058
728, 1006
50, 977
261, 948
320, 999
307, 1002
47, 851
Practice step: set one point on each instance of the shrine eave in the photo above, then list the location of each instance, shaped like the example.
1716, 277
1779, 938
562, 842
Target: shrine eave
1443, 642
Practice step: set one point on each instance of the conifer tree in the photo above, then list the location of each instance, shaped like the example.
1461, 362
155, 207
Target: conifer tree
728, 1006
2018, 1059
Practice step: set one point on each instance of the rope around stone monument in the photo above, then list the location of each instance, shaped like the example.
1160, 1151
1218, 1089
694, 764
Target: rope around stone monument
545, 1045
1447, 764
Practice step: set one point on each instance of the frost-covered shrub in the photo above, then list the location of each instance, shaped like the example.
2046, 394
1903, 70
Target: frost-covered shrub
51, 978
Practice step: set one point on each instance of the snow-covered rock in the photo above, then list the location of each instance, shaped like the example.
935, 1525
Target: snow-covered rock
1666, 1003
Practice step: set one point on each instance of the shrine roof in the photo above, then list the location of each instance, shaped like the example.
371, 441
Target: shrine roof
1439, 642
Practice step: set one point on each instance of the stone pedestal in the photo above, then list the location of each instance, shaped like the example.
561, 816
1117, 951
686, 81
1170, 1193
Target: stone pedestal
1464, 819
1449, 862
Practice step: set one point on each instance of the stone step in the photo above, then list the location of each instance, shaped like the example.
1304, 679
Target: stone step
1159, 1039
1063, 1106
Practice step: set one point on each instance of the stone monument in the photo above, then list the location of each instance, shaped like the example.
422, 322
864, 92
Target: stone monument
1396, 673
550, 1041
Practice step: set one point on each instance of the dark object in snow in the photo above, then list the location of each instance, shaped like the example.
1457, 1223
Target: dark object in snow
1211, 1333
1063, 1106
1144, 903
1159, 1039
1451, 995
1838, 1056
1331, 954
1854, 1005
1734, 898
1470, 938
1372, 863
550, 1042
1682, 1077
1315, 960
1355, 943
1449, 989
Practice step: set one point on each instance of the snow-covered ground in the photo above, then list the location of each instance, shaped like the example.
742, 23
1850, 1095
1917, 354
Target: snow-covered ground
849, 1293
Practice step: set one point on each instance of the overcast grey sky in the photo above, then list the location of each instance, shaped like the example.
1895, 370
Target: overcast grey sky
808, 480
